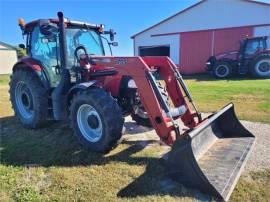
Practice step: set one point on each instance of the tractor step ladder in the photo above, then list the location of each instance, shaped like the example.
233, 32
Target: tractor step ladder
242, 70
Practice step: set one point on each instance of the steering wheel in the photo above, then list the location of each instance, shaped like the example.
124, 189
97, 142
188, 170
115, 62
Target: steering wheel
80, 47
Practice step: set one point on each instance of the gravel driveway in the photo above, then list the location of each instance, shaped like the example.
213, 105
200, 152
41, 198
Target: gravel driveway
258, 160
260, 156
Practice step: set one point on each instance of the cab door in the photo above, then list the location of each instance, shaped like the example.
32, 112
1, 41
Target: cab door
45, 49
253, 46
250, 49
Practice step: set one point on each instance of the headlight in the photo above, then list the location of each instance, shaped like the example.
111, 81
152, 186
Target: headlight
87, 66
131, 84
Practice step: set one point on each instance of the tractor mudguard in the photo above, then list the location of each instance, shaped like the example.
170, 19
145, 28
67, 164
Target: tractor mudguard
32, 64
80, 86
211, 156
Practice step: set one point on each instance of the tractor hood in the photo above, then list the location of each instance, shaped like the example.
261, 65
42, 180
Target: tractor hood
229, 55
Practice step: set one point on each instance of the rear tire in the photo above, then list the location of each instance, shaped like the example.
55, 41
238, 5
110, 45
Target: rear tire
222, 70
96, 120
29, 98
139, 115
261, 67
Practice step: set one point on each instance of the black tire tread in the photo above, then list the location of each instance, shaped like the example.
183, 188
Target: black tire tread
146, 121
253, 71
39, 94
222, 63
111, 115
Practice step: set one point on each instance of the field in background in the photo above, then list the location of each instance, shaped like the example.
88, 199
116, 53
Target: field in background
49, 165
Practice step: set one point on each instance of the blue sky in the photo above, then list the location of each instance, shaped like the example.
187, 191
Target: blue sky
125, 17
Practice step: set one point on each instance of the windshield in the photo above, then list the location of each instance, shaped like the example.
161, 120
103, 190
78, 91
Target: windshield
90, 39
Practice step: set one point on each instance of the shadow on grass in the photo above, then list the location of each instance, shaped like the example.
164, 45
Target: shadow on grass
209, 77
133, 129
55, 145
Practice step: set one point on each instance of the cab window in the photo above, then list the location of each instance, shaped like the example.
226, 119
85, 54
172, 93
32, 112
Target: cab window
43, 48
253, 46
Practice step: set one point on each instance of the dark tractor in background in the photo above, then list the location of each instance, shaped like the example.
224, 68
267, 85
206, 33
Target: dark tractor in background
253, 58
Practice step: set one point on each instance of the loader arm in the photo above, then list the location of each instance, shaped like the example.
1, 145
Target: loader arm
139, 69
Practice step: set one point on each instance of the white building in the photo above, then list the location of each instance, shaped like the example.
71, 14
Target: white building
8, 57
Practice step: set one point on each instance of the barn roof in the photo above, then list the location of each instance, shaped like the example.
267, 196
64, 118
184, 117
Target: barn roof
8, 46
188, 8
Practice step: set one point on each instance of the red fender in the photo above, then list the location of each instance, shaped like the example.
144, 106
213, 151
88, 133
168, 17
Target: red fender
29, 62
36, 66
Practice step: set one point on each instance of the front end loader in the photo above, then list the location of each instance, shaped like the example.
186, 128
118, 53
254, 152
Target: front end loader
95, 91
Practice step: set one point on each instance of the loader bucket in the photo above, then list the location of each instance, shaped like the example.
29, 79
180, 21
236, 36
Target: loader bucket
211, 157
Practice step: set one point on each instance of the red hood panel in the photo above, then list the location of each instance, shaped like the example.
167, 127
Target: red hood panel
229, 55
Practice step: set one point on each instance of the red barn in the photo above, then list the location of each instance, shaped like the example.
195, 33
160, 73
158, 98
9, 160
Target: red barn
206, 28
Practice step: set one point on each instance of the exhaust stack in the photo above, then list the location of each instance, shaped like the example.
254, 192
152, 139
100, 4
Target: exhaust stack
58, 94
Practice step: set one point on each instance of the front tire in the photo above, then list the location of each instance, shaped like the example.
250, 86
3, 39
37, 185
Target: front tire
29, 98
96, 119
222, 70
261, 67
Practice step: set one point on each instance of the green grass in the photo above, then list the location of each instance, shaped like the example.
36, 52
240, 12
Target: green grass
255, 187
49, 165
4, 79
251, 97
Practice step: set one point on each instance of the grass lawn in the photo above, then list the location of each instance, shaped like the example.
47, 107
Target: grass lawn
251, 97
49, 165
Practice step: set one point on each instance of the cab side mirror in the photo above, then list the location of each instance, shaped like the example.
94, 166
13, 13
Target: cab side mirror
21, 45
114, 43
112, 33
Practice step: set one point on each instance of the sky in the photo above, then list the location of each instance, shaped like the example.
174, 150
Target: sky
125, 17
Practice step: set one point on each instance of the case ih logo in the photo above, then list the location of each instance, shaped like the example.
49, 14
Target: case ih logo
121, 61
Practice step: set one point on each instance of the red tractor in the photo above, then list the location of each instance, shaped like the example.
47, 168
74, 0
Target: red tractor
252, 58
66, 76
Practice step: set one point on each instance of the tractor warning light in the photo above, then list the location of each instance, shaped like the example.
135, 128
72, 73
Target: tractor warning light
101, 29
21, 22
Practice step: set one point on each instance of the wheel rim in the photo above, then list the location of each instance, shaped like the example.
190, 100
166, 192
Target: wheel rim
222, 71
263, 67
89, 123
139, 110
24, 100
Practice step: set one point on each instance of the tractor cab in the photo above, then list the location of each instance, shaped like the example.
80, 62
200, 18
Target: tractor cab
42, 43
250, 46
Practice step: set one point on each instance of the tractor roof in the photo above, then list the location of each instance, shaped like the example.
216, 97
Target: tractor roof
257, 37
70, 23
